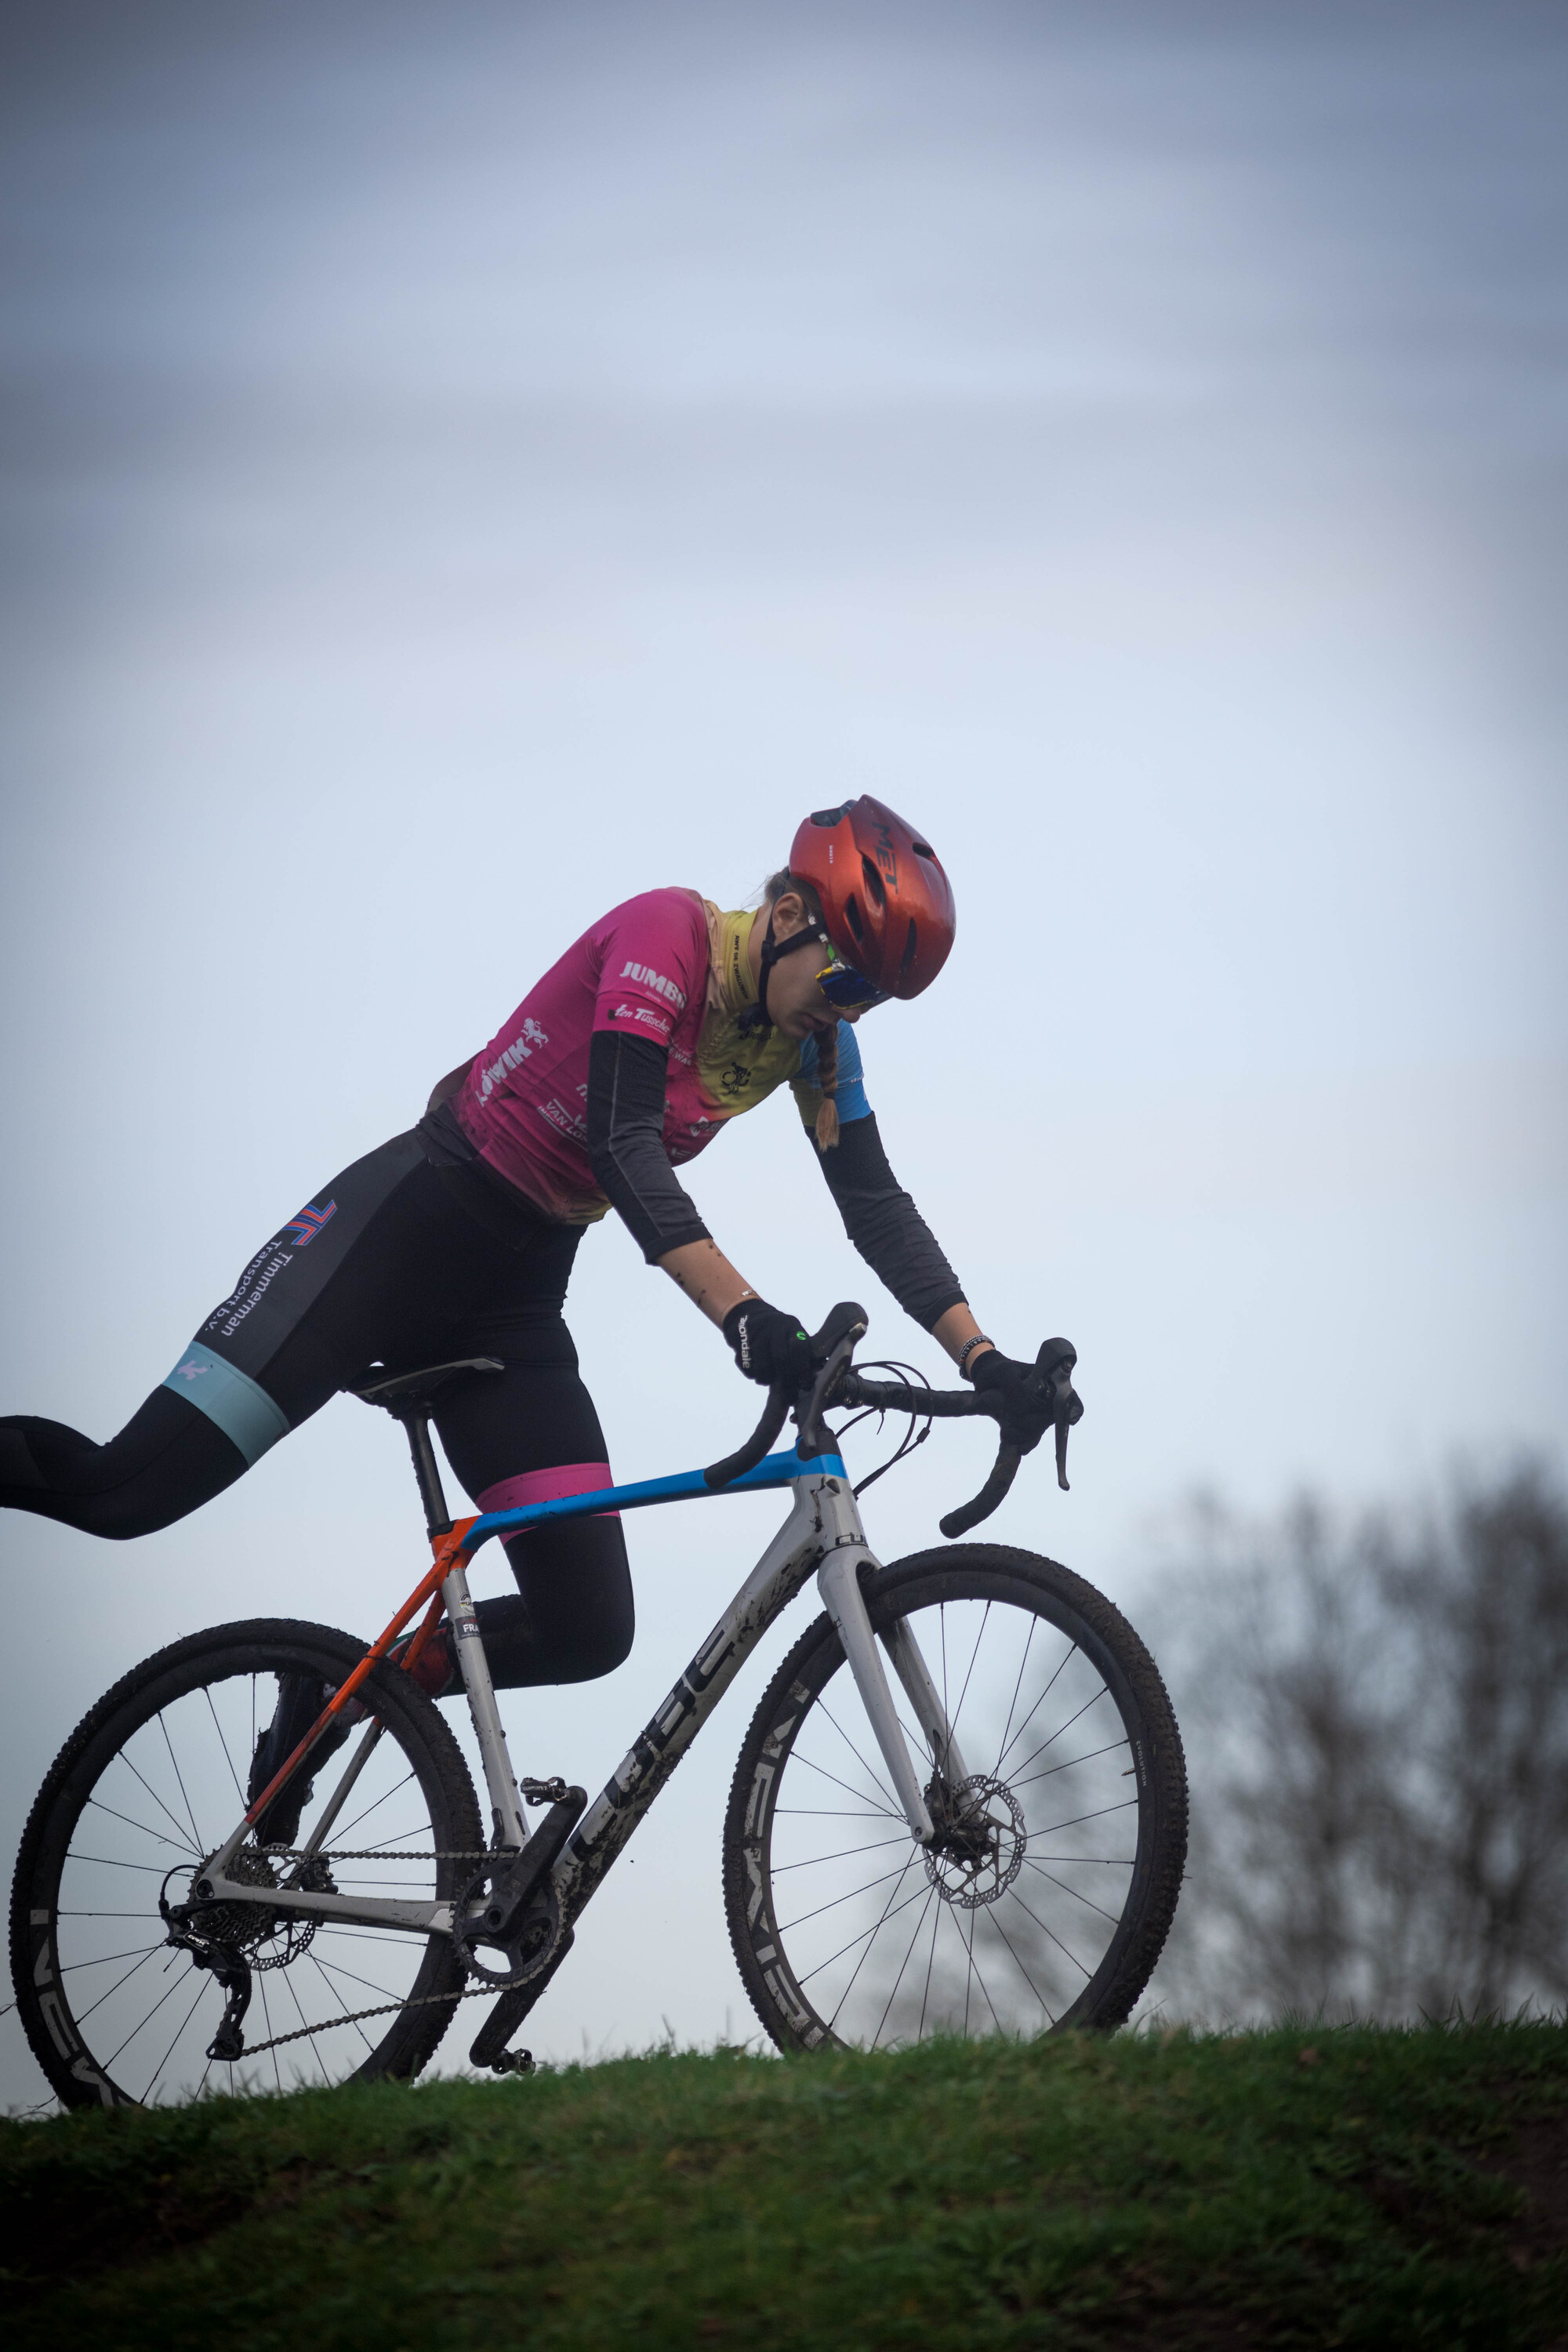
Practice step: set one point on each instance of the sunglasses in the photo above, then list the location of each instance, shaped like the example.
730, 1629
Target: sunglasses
849, 990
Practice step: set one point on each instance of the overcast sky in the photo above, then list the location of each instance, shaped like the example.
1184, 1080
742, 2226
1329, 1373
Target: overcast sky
466, 465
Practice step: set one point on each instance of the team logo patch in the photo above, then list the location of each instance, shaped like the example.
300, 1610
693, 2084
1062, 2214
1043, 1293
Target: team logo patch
302, 1231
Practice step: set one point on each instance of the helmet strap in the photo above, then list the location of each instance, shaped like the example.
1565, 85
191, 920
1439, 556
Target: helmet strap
755, 1016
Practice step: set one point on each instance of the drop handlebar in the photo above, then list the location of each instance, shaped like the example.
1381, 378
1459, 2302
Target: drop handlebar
838, 1383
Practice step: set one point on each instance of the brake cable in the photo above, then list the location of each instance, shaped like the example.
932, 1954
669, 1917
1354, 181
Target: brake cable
916, 1379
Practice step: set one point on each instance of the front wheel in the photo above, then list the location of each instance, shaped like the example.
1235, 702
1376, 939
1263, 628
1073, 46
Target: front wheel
147, 1787
1062, 1841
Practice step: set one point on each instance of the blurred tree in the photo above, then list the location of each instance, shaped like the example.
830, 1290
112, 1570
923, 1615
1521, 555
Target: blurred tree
1377, 1729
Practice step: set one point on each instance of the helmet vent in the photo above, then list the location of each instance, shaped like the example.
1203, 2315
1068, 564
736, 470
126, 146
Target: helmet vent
852, 916
923, 849
831, 816
910, 946
874, 890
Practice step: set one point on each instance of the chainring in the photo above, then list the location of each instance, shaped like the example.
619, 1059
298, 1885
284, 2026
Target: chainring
530, 1949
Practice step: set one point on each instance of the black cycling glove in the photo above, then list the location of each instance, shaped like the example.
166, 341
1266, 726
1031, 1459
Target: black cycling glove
769, 1346
1023, 1420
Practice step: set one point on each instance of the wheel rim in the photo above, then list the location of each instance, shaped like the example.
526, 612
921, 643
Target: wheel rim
156, 1807
1021, 1911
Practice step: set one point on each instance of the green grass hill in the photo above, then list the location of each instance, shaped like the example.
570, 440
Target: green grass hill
1302, 2186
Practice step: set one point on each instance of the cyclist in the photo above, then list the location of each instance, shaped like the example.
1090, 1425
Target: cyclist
664, 1020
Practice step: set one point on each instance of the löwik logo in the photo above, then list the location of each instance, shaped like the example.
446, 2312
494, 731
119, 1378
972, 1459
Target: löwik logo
308, 1223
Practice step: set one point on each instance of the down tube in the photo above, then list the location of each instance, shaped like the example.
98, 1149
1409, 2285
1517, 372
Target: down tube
663, 1739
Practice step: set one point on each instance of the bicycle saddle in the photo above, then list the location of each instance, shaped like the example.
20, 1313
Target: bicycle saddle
406, 1392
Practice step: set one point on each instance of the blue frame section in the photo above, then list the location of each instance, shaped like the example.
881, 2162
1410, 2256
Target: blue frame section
685, 1486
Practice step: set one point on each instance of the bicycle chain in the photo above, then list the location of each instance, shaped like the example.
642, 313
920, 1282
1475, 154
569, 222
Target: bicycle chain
385, 2008
355, 2017
377, 1853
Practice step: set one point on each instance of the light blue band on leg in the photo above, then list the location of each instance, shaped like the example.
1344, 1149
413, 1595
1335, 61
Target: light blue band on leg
245, 1413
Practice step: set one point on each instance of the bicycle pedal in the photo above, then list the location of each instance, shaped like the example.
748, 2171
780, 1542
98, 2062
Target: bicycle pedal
513, 2062
543, 1792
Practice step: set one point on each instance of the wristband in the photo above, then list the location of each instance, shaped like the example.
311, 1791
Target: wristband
981, 1339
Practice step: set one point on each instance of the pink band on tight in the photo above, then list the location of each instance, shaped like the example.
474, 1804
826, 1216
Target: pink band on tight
546, 1486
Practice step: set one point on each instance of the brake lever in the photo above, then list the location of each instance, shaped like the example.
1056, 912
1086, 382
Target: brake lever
1052, 1382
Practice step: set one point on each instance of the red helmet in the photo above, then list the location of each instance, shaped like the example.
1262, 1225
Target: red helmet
887, 903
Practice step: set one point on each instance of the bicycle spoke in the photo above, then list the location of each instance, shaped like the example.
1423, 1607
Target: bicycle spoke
160, 1837
145, 2022
1024, 1972
853, 1894
158, 1800
868, 1935
1110, 1750
82, 2015
108, 1959
931, 1963
299, 2013
846, 1853
338, 1969
112, 1861
342, 2004
180, 1777
1072, 1956
1017, 1686
903, 1964
875, 1778
1072, 1891
346, 1828
1083, 1710
266, 2014
888, 1813
228, 1758
103, 1915
1095, 1816
964, 1694
1062, 1668
147, 2094
822, 1813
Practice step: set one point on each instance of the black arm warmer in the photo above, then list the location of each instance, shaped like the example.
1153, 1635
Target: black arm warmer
625, 1144
885, 1225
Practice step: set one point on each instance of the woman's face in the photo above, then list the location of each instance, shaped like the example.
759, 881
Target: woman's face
796, 1006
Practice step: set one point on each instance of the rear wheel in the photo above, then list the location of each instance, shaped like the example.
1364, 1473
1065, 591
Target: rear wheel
145, 1790
1061, 1843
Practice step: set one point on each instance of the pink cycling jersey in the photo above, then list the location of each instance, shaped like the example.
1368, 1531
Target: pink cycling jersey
643, 969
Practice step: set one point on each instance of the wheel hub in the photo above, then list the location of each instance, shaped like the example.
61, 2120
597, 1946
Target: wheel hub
978, 1849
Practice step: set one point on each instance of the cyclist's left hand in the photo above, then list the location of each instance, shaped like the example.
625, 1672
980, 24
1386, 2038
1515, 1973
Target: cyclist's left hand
1024, 1419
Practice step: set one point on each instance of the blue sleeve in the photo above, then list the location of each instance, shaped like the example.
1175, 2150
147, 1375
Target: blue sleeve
851, 1094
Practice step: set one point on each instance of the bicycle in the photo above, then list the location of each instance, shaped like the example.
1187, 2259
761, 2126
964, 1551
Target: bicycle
929, 1830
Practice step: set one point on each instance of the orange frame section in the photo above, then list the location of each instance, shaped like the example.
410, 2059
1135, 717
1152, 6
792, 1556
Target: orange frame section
449, 1553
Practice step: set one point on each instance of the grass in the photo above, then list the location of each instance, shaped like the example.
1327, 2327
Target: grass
1351, 2187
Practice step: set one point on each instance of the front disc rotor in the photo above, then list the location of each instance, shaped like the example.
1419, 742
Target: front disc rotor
979, 1842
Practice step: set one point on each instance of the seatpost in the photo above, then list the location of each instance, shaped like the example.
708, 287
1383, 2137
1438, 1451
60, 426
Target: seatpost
438, 1518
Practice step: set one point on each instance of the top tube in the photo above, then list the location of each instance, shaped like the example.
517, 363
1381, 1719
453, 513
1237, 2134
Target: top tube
773, 1470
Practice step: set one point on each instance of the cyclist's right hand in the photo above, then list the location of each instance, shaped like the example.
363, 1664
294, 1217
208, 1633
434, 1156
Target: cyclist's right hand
770, 1347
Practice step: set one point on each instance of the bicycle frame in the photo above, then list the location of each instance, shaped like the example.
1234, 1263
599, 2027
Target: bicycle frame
823, 1532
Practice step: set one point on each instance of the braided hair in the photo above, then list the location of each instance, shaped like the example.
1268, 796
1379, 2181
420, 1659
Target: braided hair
774, 890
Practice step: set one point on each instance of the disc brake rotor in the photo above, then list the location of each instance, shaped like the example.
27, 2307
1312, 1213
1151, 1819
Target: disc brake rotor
980, 1841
